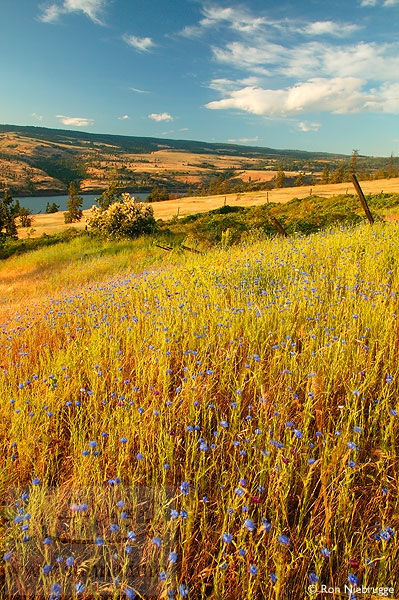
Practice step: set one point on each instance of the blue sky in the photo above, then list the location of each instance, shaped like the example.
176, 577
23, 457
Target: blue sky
315, 75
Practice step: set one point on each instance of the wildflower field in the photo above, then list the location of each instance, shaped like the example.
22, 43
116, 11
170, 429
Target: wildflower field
222, 426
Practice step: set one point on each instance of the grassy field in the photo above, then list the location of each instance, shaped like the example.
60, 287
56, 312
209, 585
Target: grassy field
219, 426
54, 223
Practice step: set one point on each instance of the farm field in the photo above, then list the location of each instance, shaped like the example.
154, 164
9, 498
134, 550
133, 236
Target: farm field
54, 223
219, 426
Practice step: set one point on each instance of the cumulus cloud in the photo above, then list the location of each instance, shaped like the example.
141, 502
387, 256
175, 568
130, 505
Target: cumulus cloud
38, 117
161, 117
339, 95
124, 118
91, 8
142, 44
76, 121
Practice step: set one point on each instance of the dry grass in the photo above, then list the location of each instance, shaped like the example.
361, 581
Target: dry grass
54, 223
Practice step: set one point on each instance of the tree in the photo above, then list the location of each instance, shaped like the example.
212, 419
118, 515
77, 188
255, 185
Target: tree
110, 195
9, 210
125, 219
300, 180
74, 205
52, 208
25, 216
353, 162
325, 177
280, 178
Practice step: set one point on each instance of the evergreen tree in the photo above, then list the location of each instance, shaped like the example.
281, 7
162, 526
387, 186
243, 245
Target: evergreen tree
110, 195
9, 210
325, 178
300, 180
353, 162
74, 205
52, 208
280, 178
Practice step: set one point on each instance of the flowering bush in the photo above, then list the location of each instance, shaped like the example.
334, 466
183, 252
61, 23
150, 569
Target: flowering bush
126, 218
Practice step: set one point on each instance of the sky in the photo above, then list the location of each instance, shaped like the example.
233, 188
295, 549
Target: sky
312, 75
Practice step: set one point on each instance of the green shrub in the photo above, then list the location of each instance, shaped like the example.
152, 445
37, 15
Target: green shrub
125, 219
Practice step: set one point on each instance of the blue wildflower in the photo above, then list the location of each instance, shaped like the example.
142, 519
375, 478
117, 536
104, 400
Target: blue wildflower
227, 538
283, 539
253, 569
249, 524
157, 542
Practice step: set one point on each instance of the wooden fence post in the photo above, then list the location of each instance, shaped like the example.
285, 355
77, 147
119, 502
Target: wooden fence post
362, 199
279, 226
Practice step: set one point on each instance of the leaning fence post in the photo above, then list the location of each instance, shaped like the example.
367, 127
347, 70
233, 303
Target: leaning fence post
362, 199
279, 226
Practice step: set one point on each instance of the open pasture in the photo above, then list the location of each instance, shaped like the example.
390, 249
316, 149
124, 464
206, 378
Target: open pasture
221, 426
54, 223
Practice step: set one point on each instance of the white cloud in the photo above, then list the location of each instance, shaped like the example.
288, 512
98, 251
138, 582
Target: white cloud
305, 126
142, 44
91, 8
161, 117
75, 121
38, 117
329, 28
339, 95
138, 91
243, 140
124, 118
375, 2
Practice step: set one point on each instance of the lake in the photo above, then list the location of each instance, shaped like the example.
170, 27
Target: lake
37, 204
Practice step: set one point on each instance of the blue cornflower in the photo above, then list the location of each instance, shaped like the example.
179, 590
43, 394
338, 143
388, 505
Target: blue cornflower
7, 556
353, 580
79, 587
352, 446
163, 575
47, 569
227, 538
357, 429
239, 492
298, 433
253, 569
266, 525
325, 552
157, 541
92, 444
241, 552
184, 487
172, 558
313, 578
283, 539
70, 561
123, 440
174, 513
100, 541
114, 528
183, 590
139, 456
47, 541
36, 481
273, 577
130, 593
224, 424
250, 525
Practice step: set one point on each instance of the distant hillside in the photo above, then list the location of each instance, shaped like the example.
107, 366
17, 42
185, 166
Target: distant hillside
41, 161
144, 145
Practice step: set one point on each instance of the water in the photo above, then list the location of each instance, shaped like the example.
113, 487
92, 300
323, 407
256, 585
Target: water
38, 204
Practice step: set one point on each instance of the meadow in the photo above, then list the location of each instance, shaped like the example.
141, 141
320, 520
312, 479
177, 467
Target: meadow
219, 426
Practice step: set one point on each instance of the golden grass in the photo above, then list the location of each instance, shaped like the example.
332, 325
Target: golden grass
54, 223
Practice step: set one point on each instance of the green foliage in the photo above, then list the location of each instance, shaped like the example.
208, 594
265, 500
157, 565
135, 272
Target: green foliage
52, 208
158, 195
125, 219
74, 205
110, 195
9, 210
280, 178
25, 216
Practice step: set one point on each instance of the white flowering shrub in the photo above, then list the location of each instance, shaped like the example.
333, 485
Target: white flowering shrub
122, 219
